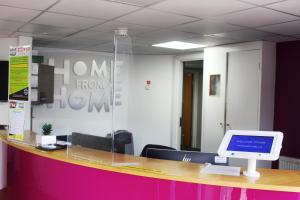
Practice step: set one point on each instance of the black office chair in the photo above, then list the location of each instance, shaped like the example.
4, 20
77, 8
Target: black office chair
123, 142
153, 146
91, 141
65, 138
3, 127
185, 156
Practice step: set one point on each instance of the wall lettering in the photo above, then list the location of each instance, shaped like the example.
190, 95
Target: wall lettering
87, 86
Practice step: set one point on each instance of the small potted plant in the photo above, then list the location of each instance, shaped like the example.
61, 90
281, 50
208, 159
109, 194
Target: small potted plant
47, 129
46, 138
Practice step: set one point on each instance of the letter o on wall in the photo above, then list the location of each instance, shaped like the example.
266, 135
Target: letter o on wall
80, 68
77, 100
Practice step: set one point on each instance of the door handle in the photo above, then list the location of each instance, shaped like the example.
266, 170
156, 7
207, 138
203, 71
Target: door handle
229, 126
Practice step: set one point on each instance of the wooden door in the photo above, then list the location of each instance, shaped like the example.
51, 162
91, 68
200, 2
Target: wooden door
187, 108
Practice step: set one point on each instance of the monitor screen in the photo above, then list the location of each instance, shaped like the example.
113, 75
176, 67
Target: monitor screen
3, 80
255, 144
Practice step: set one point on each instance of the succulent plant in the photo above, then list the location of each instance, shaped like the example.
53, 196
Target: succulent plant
47, 129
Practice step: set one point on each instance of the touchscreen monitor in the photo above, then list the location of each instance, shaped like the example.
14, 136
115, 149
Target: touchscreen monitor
247, 143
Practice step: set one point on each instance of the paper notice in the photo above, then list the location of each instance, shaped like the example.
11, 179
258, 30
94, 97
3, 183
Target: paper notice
16, 120
221, 170
34, 95
34, 81
34, 69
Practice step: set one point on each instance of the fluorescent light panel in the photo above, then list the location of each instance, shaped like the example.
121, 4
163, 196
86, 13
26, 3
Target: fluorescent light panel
178, 45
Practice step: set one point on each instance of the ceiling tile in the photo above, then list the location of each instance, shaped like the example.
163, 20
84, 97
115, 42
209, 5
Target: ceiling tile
97, 37
107, 47
261, 2
37, 36
41, 42
140, 41
245, 35
210, 41
30, 4
5, 33
46, 29
80, 41
155, 50
279, 38
290, 6
201, 8
9, 25
207, 27
69, 44
94, 8
68, 21
166, 35
155, 18
288, 28
17, 14
249, 17
133, 29
137, 2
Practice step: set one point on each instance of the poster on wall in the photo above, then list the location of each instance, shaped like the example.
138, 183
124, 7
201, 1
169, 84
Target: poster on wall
16, 120
214, 85
19, 73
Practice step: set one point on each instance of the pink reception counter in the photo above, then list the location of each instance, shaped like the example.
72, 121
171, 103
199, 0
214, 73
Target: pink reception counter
84, 174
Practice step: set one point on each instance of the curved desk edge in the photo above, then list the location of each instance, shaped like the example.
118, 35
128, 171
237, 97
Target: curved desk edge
290, 180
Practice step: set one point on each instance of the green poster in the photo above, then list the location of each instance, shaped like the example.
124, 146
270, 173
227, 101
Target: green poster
19, 77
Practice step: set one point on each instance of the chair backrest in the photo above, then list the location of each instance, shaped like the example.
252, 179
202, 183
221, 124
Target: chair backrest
65, 138
185, 156
91, 141
123, 142
153, 146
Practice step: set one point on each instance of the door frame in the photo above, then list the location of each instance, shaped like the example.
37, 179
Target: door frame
177, 95
195, 116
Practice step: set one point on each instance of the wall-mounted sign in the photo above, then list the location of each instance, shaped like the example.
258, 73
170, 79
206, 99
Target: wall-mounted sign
214, 85
19, 73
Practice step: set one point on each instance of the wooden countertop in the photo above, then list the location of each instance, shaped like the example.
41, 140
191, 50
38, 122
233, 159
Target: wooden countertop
276, 180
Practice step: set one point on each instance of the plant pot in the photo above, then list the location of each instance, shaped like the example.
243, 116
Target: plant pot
45, 139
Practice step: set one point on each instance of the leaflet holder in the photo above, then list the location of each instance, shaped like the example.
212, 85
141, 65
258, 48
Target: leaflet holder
251, 145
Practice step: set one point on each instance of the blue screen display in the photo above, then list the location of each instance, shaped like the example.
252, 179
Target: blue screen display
246, 143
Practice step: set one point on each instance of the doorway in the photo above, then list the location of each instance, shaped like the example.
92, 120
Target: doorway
191, 119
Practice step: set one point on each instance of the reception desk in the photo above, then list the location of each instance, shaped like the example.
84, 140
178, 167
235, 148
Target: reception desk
84, 174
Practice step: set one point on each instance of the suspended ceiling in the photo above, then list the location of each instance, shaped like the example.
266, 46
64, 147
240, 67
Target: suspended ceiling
89, 24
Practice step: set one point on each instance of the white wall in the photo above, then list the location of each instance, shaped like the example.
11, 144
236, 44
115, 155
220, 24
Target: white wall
4, 50
22, 40
70, 110
267, 100
146, 113
3, 165
215, 62
150, 111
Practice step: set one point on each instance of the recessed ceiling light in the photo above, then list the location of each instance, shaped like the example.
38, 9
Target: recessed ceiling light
178, 45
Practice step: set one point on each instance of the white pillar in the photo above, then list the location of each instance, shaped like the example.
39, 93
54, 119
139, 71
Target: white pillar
3, 165
26, 41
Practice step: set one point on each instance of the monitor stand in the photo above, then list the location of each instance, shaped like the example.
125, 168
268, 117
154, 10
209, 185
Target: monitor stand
251, 170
